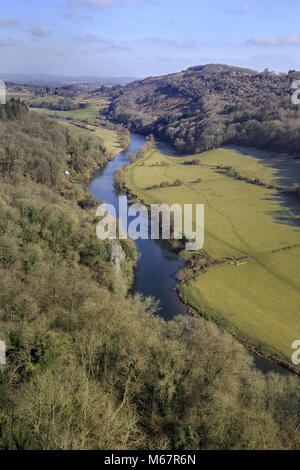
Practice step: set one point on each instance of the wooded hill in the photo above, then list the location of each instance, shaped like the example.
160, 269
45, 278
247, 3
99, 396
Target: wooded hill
89, 366
208, 106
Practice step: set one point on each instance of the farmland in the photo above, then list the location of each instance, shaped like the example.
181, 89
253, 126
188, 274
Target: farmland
83, 122
90, 113
108, 137
257, 300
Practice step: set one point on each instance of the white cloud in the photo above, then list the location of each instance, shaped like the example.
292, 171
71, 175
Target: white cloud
6, 22
70, 15
288, 40
9, 42
94, 4
39, 31
244, 8
102, 44
169, 43
241, 9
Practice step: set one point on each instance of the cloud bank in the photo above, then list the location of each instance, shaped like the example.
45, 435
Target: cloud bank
94, 4
6, 22
288, 40
241, 9
9, 42
39, 31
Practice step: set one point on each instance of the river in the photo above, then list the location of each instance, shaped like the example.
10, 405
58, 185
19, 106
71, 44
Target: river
156, 266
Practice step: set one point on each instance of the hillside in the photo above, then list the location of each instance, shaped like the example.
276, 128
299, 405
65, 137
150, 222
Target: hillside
208, 106
89, 366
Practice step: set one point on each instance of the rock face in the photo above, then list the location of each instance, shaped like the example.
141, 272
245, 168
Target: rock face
117, 254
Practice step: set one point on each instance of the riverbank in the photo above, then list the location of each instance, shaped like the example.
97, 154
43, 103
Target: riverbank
189, 270
247, 344
156, 267
176, 247
245, 263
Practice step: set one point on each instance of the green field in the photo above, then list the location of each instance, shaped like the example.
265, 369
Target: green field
95, 103
258, 300
88, 114
86, 118
21, 96
108, 137
91, 127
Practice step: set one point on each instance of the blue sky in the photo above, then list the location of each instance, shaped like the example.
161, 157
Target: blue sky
138, 38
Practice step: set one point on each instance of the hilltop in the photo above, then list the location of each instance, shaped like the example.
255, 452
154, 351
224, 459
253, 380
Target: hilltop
208, 106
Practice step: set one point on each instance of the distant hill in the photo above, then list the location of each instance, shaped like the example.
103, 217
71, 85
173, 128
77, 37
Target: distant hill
211, 105
45, 79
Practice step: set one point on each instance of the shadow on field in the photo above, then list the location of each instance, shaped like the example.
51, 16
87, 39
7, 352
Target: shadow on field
168, 149
287, 166
290, 215
287, 174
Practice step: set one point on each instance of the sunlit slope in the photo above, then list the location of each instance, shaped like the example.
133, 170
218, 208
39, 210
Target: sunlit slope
259, 300
90, 113
107, 137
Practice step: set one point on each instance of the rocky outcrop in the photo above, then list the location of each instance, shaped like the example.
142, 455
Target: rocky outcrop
117, 254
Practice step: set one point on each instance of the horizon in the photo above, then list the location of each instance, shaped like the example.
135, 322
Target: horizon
116, 77
142, 38
58, 74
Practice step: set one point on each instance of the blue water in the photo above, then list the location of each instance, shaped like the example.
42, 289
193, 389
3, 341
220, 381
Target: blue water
157, 266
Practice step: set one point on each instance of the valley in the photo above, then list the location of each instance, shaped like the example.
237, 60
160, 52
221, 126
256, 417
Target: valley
247, 217
149, 229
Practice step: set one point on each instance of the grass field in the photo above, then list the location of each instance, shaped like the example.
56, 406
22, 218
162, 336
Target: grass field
108, 137
95, 128
258, 300
88, 114
22, 96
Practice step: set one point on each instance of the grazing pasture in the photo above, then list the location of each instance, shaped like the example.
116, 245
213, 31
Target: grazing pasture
259, 300
89, 113
107, 137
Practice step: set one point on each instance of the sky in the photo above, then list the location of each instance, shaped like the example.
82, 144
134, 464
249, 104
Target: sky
139, 38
